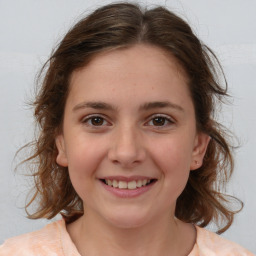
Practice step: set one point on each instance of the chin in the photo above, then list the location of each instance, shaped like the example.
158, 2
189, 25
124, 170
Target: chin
127, 220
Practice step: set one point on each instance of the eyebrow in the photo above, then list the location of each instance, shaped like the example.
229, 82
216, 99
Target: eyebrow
94, 105
161, 104
146, 106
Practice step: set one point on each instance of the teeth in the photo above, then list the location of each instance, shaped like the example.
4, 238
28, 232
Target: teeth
139, 183
144, 182
127, 185
122, 184
115, 184
132, 184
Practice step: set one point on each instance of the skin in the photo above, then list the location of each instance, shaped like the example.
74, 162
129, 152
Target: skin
126, 139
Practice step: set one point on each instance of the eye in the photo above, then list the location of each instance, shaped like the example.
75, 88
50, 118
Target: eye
160, 121
95, 121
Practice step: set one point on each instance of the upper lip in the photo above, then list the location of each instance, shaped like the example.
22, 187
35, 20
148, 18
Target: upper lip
127, 179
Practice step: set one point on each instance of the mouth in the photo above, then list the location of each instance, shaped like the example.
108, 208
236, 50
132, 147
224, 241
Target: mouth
128, 185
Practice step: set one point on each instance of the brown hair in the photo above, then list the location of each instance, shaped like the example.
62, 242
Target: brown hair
119, 26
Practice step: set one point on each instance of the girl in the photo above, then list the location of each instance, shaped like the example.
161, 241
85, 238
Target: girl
128, 151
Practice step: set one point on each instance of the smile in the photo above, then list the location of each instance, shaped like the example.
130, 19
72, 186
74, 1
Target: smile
134, 184
128, 187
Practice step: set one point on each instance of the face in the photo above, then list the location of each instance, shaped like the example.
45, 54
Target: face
129, 135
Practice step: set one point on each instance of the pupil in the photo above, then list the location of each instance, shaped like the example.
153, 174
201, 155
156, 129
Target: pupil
97, 121
158, 121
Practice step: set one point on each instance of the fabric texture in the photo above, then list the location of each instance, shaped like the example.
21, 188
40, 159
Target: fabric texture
54, 240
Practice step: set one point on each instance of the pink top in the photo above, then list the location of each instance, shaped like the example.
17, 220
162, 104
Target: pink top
54, 240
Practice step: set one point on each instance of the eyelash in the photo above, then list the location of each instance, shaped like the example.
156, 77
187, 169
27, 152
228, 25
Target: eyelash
91, 117
167, 121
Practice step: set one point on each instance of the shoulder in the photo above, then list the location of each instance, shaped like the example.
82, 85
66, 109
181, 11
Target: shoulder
209, 243
43, 242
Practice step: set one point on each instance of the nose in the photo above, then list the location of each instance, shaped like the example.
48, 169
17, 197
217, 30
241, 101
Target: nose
127, 148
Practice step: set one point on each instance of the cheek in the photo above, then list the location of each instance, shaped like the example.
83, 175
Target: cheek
83, 159
173, 159
83, 162
172, 154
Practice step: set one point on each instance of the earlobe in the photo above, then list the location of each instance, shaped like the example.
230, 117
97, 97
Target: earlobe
201, 142
61, 158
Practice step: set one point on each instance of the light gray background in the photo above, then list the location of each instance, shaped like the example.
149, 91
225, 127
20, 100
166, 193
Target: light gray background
28, 31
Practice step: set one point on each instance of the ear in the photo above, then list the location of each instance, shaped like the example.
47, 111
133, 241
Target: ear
201, 142
61, 158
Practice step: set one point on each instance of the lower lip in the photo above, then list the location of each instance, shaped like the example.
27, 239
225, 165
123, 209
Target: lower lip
128, 193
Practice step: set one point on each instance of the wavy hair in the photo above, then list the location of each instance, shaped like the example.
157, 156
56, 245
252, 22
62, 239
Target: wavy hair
117, 26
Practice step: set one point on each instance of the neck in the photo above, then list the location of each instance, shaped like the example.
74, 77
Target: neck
166, 236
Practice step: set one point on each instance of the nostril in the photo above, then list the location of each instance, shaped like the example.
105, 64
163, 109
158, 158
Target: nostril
115, 161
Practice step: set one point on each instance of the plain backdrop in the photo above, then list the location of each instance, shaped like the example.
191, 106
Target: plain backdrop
28, 31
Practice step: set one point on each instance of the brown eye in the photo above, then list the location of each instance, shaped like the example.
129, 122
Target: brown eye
97, 121
159, 121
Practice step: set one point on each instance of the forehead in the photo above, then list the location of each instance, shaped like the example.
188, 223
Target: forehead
138, 72
137, 58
